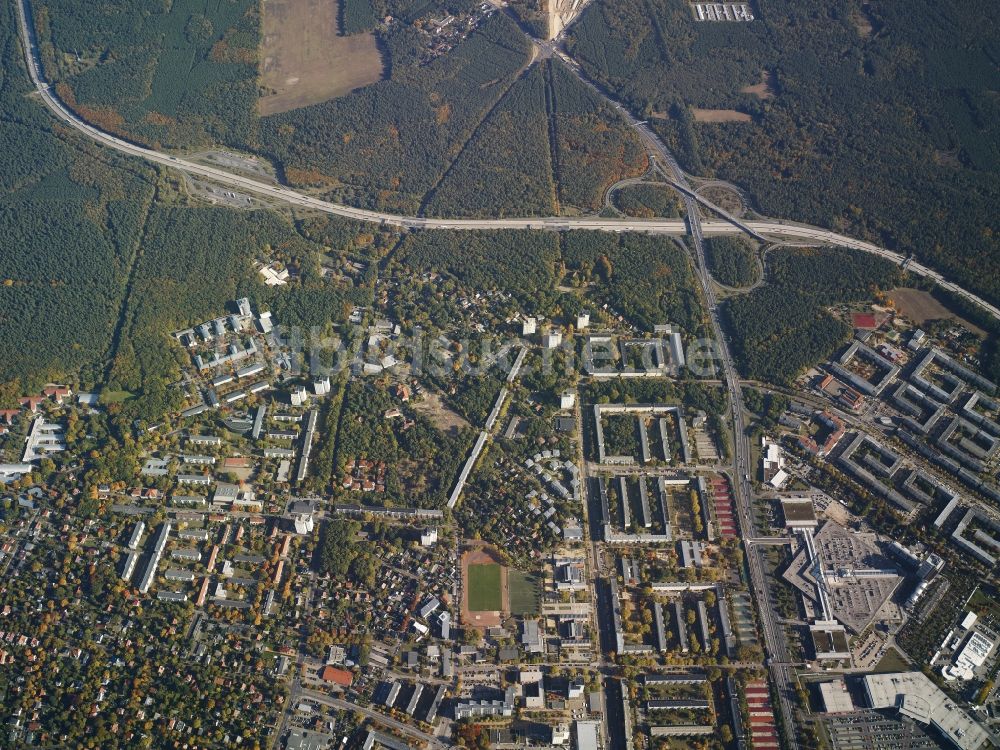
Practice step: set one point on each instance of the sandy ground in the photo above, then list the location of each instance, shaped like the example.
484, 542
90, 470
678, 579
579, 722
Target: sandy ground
305, 61
432, 407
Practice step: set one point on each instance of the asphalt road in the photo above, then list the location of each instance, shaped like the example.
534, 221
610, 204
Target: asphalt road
729, 225
434, 743
776, 648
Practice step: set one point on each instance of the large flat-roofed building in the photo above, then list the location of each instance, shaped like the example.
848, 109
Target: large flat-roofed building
915, 696
858, 578
836, 698
586, 735
973, 655
799, 512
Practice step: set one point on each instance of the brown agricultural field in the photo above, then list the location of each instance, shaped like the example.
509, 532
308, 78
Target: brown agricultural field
920, 306
305, 61
720, 115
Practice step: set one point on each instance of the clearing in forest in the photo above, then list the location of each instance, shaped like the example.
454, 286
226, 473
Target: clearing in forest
921, 306
719, 115
434, 408
762, 90
305, 61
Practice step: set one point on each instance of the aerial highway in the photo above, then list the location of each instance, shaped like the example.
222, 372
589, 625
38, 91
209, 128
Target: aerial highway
726, 225
776, 648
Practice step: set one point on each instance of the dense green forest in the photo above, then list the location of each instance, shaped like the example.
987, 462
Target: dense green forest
348, 236
505, 169
781, 328
732, 261
460, 134
532, 16
356, 16
421, 461
71, 215
388, 144
522, 263
647, 279
194, 261
878, 119
338, 552
593, 145
549, 127
169, 73
647, 201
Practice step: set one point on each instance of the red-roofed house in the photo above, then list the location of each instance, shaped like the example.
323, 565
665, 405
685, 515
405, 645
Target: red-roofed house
337, 676
31, 402
57, 392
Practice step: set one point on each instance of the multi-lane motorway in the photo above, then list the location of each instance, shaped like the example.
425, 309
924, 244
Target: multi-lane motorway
774, 635
728, 225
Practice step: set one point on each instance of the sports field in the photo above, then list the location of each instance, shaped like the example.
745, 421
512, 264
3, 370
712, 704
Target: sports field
484, 588
524, 593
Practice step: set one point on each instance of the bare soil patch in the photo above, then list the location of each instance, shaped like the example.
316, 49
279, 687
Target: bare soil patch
862, 23
920, 306
483, 554
432, 407
561, 14
305, 61
720, 115
762, 90
838, 513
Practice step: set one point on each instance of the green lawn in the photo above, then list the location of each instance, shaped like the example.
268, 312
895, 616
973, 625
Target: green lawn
484, 588
115, 397
523, 593
893, 661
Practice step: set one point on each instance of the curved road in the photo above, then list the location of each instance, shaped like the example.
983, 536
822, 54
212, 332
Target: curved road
730, 225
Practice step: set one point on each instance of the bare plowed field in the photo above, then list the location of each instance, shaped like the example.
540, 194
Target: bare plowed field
305, 61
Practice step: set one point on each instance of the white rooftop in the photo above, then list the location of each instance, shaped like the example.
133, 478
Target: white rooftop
586, 735
836, 699
914, 695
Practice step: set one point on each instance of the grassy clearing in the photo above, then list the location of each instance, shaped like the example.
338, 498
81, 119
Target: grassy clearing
523, 592
720, 115
893, 661
115, 397
484, 588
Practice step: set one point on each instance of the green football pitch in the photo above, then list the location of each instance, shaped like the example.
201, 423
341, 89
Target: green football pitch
484, 588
